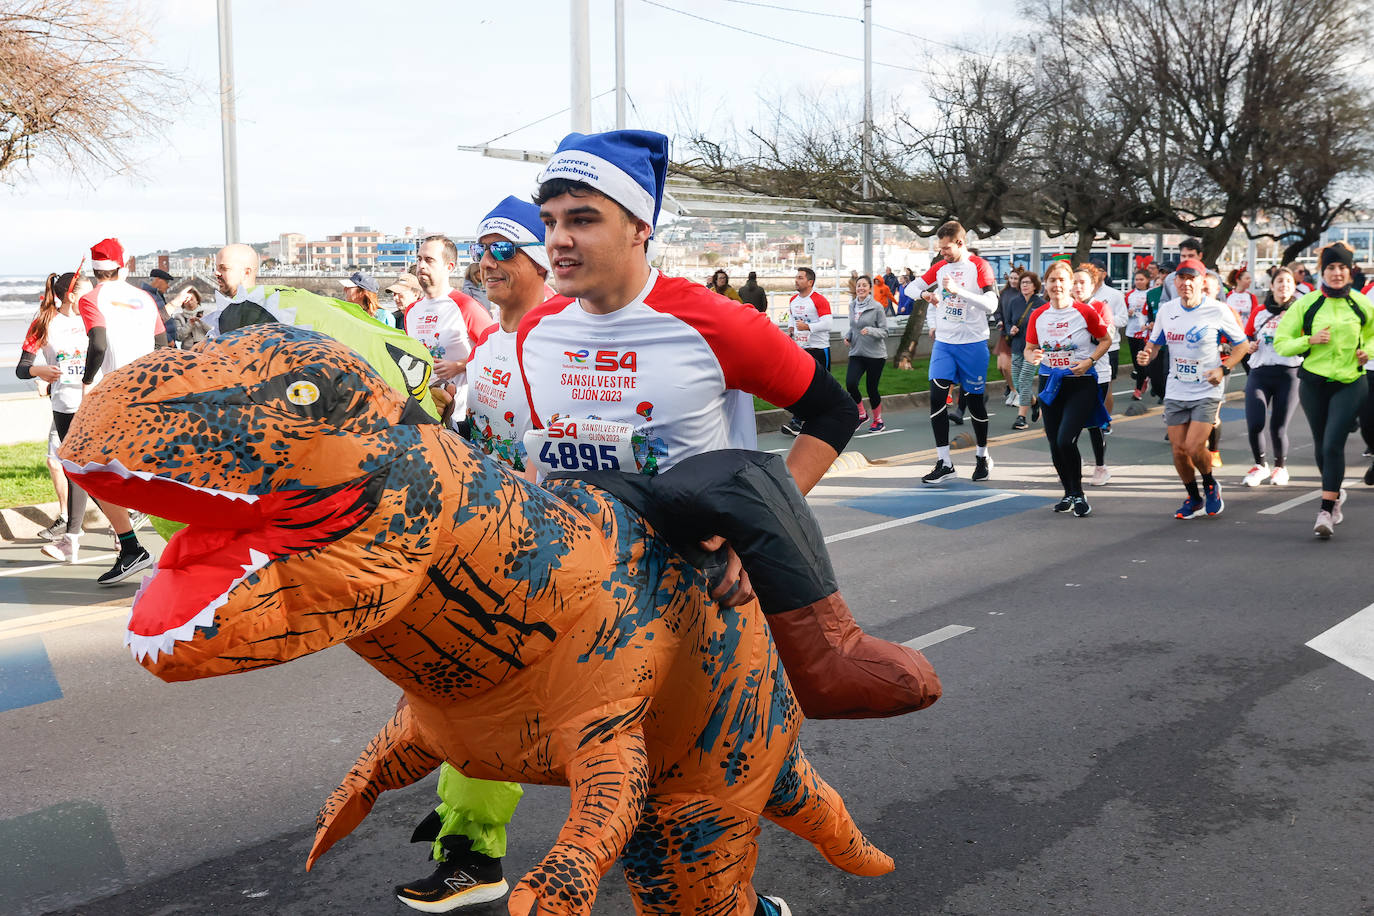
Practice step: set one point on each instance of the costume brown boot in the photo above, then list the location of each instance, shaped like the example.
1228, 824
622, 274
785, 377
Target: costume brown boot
838, 671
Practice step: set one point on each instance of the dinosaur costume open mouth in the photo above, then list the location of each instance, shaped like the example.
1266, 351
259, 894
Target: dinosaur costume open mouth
229, 537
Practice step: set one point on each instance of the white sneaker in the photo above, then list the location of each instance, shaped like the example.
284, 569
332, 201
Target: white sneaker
1256, 476
1337, 515
1010, 399
1100, 476
1280, 477
64, 549
780, 904
1325, 525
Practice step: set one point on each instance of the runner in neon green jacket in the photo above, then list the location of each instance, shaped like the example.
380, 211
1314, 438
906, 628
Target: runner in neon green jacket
1333, 330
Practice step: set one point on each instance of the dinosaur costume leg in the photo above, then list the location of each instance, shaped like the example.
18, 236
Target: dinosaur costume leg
608, 782
693, 856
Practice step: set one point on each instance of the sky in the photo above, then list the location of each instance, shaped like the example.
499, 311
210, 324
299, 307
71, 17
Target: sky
350, 113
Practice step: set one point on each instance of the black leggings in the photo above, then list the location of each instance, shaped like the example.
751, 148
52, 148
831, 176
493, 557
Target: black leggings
1153, 373
1095, 436
860, 366
1367, 423
1271, 395
76, 497
1330, 407
939, 416
1072, 409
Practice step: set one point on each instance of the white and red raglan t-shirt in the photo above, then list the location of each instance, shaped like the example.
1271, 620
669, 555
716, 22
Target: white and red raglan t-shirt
957, 320
814, 309
128, 315
664, 378
1065, 336
475, 318
498, 407
1243, 304
439, 325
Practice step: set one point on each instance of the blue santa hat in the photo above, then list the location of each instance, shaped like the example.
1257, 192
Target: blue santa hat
517, 220
628, 166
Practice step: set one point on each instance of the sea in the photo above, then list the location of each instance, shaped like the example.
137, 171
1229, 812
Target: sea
19, 295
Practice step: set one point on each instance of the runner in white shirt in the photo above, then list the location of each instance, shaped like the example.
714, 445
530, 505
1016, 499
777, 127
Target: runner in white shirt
962, 292
1084, 276
1137, 329
662, 368
122, 324
1115, 303
59, 335
811, 321
1271, 385
437, 321
1194, 327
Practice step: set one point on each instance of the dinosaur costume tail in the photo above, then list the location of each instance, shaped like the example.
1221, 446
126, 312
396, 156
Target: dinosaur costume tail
807, 805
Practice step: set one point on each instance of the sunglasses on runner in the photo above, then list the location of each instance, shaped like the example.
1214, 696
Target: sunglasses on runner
501, 250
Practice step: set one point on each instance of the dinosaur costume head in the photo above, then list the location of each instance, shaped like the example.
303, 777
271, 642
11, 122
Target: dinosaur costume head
273, 445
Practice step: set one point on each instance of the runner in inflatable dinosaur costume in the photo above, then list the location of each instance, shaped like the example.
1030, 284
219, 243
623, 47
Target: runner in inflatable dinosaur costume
539, 636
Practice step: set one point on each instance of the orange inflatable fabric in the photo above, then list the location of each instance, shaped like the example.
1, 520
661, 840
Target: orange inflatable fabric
539, 636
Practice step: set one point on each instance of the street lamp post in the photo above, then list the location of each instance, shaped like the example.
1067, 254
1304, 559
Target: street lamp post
228, 124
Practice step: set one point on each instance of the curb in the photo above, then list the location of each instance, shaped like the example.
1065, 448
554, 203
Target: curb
770, 421
26, 523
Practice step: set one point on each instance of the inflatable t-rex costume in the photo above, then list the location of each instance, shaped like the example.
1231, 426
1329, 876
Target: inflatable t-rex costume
543, 637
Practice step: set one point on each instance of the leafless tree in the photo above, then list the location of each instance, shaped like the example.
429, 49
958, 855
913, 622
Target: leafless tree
76, 92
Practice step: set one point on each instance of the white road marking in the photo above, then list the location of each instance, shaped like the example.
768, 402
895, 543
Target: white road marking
1291, 503
1350, 642
934, 636
37, 624
911, 519
882, 432
102, 557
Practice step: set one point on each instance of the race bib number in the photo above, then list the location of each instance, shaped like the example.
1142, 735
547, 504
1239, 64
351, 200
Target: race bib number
1058, 359
72, 370
582, 445
1186, 369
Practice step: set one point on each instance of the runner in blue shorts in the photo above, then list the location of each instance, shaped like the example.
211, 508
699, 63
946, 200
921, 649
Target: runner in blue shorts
961, 290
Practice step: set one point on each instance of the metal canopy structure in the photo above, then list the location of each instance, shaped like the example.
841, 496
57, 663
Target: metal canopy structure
688, 197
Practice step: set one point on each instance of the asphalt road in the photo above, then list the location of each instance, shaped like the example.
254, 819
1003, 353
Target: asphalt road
1132, 721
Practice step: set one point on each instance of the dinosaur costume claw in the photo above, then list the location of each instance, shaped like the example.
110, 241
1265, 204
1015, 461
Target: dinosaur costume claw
539, 636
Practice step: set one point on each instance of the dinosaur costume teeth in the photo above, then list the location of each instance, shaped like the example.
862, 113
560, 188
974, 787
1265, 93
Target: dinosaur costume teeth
541, 636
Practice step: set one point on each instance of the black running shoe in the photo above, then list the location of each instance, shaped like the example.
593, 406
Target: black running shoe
1369, 476
1035, 411
956, 417
125, 565
1021, 423
1081, 507
1064, 505
981, 467
464, 878
792, 427
939, 474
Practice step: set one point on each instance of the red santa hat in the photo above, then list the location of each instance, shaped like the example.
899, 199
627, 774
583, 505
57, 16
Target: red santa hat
107, 254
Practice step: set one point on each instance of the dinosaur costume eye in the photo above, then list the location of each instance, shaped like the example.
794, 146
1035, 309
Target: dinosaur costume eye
316, 392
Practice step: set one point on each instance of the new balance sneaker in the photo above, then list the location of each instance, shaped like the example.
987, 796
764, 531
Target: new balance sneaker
1256, 476
1325, 525
1020, 423
792, 427
942, 471
1100, 476
1280, 477
877, 427
1214, 503
125, 565
1064, 505
55, 530
1081, 509
1191, 508
772, 906
64, 550
464, 878
982, 465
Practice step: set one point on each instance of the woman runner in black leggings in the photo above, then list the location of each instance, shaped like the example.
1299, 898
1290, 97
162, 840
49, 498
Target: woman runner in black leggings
1332, 329
1271, 387
1065, 339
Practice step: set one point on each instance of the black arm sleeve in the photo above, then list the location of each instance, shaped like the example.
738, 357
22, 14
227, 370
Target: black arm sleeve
25, 368
826, 410
96, 344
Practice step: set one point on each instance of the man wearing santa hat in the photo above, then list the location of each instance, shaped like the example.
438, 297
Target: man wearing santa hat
122, 324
